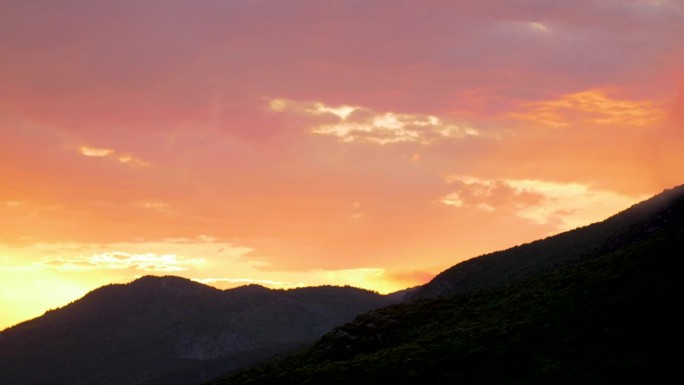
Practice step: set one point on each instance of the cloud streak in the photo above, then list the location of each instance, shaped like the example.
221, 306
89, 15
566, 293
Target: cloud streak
593, 107
106, 152
353, 123
118, 260
564, 205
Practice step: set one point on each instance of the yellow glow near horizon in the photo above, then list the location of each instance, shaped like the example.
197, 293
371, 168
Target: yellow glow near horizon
63, 273
33, 292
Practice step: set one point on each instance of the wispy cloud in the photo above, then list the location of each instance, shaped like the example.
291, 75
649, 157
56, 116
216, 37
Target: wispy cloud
354, 123
563, 205
117, 260
182, 254
95, 152
110, 153
537, 26
158, 206
130, 159
593, 106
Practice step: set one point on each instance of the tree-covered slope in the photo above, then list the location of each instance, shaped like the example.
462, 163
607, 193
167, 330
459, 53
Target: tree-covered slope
610, 317
170, 330
502, 268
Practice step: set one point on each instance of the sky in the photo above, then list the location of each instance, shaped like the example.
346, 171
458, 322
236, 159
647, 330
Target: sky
297, 143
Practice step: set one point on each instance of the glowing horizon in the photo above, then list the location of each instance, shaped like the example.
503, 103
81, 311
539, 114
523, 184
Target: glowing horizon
373, 144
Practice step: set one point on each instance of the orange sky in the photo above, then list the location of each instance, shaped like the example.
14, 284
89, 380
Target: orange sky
293, 143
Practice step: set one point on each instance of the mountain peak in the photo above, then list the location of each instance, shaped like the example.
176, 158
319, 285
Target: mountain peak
168, 329
163, 281
167, 285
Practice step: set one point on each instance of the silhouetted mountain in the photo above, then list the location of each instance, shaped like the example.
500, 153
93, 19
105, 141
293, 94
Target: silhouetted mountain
634, 225
170, 330
403, 295
595, 305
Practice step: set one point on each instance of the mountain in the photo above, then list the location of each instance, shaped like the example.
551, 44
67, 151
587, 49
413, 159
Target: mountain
634, 225
597, 305
170, 330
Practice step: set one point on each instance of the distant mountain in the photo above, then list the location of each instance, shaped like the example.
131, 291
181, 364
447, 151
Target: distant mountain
597, 305
170, 330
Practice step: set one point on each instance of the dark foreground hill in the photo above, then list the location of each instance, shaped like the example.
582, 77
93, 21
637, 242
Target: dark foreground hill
498, 269
170, 330
608, 312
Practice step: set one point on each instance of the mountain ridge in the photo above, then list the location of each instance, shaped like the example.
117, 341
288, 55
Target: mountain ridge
590, 241
609, 315
542, 312
141, 332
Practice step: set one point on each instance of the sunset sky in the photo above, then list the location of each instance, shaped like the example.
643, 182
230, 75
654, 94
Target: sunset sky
290, 143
